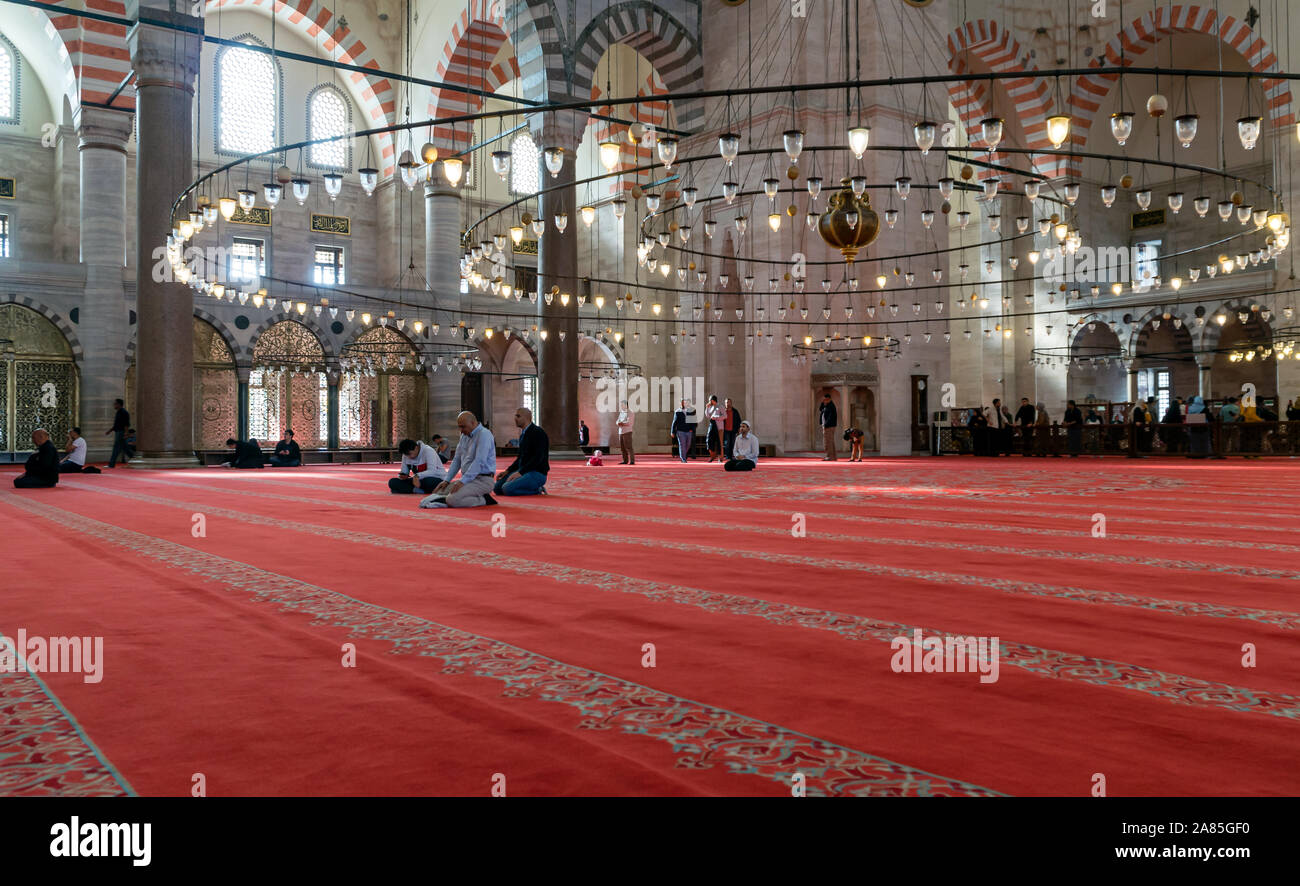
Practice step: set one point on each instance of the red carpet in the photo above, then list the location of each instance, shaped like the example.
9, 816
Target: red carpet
480, 656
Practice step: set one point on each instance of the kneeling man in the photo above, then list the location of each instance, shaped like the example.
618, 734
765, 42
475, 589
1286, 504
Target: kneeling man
744, 451
42, 468
475, 462
527, 473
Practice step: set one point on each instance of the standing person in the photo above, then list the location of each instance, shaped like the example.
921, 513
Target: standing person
1198, 429
744, 451
854, 437
829, 419
1000, 423
1073, 422
1292, 411
713, 414
1025, 418
978, 424
1043, 432
121, 422
1173, 437
74, 461
730, 425
287, 454
475, 462
526, 475
684, 430
41, 470
584, 433
625, 419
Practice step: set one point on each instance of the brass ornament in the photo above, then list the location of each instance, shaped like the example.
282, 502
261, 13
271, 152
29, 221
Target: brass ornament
834, 227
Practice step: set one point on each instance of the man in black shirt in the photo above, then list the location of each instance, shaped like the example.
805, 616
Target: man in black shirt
1025, 418
526, 475
287, 453
42, 468
246, 454
121, 421
829, 420
584, 433
1000, 433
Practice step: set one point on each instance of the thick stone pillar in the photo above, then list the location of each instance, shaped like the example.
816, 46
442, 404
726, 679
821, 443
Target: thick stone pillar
442, 270
165, 63
102, 139
241, 407
1203, 377
557, 264
332, 377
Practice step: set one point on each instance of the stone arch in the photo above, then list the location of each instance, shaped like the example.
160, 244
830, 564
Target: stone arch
1124, 49
362, 331
74, 343
306, 320
657, 35
470, 60
1213, 332
222, 330
654, 113
1030, 95
98, 60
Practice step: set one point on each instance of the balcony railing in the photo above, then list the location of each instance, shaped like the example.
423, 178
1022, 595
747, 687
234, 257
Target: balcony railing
1209, 440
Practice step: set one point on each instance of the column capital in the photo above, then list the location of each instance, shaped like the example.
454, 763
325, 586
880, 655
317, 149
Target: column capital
437, 186
103, 128
164, 56
559, 129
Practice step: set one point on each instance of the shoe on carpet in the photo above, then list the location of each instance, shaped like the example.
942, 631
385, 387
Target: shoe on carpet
489, 500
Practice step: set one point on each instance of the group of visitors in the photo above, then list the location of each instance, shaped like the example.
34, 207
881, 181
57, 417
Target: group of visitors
1185, 427
43, 466
248, 453
728, 438
469, 479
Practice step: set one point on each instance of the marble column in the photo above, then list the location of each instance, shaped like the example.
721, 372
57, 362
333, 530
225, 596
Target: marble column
332, 377
557, 263
102, 138
1203, 377
442, 254
241, 407
166, 64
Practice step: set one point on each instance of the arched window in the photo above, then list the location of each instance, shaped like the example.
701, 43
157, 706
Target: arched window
328, 113
8, 82
525, 176
248, 94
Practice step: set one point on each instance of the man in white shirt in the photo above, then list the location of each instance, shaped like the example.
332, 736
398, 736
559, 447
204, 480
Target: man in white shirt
75, 460
420, 465
625, 433
475, 462
744, 451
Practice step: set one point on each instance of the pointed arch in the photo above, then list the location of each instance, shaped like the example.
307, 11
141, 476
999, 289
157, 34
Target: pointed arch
1140, 35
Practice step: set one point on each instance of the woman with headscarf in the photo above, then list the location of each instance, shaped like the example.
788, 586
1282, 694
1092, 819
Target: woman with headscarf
1251, 431
1043, 432
1173, 437
1073, 422
1198, 428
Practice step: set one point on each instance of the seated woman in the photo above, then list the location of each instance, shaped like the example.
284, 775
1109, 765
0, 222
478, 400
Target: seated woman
246, 454
744, 451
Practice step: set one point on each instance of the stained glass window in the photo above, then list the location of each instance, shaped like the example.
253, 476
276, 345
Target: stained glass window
246, 108
525, 174
4, 236
326, 116
8, 69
